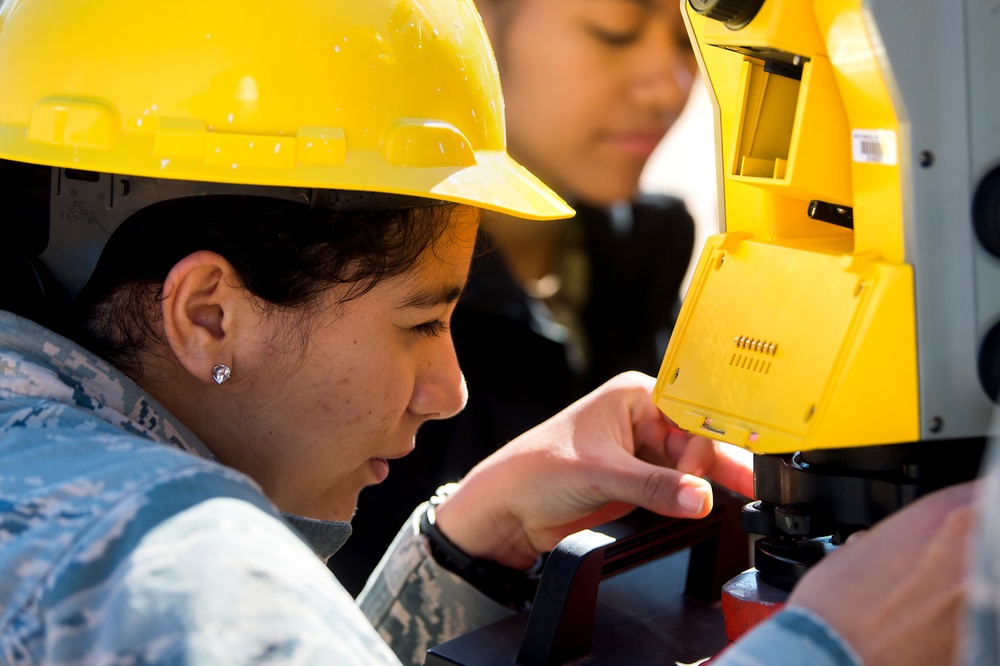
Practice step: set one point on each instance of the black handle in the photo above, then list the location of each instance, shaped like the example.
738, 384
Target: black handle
561, 621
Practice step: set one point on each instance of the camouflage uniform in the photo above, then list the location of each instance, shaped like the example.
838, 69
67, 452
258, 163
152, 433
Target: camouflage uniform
123, 541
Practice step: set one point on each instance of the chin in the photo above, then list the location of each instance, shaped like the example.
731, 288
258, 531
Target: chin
340, 509
604, 190
608, 199
341, 514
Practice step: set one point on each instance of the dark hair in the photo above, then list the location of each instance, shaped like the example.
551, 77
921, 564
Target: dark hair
24, 233
285, 253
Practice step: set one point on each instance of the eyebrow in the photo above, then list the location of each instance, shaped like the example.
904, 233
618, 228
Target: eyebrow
429, 298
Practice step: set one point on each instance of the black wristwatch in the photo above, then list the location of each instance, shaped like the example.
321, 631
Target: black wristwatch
511, 587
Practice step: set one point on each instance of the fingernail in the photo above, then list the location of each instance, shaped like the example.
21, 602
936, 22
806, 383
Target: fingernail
692, 498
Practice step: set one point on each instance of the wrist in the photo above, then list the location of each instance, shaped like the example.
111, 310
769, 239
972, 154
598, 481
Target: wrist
481, 526
506, 585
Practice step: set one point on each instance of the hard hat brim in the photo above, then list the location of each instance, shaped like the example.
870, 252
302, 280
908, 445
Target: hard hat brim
498, 183
495, 181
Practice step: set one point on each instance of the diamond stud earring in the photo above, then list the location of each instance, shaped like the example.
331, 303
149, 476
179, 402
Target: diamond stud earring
221, 373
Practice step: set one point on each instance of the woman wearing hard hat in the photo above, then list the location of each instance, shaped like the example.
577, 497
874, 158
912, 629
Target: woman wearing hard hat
237, 232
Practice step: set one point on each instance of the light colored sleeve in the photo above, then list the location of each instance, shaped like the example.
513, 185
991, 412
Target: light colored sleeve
415, 604
222, 582
790, 637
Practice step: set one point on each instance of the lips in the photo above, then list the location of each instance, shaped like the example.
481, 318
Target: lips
637, 143
380, 468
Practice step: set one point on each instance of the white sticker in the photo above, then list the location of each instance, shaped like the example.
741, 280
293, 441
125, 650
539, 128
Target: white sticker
874, 146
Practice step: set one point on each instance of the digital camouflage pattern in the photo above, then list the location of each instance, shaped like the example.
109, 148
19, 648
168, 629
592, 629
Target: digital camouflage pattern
416, 604
123, 542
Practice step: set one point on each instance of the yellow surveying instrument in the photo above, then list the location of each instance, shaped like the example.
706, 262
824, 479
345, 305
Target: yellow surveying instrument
843, 323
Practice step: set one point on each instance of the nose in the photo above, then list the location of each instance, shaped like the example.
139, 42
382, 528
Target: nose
439, 389
665, 70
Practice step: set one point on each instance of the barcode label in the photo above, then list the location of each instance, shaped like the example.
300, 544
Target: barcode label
874, 146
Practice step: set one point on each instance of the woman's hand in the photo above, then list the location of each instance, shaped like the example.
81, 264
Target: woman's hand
593, 462
896, 592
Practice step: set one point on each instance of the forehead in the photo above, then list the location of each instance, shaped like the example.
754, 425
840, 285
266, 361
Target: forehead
439, 277
455, 244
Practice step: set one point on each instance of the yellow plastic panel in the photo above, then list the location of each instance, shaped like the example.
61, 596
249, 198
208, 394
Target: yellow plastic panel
806, 125
812, 161
787, 25
768, 216
797, 334
783, 347
878, 200
768, 113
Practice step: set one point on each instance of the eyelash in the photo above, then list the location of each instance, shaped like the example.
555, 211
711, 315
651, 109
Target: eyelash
614, 38
431, 329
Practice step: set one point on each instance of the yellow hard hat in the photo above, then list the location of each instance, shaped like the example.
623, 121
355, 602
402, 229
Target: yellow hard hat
394, 96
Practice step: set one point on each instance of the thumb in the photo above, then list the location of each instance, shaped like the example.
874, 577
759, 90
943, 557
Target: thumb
660, 489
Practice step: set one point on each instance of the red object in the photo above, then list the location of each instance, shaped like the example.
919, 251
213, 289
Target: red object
746, 600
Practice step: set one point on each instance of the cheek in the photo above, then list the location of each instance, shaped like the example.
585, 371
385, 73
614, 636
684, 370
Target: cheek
548, 75
368, 393
342, 403
553, 133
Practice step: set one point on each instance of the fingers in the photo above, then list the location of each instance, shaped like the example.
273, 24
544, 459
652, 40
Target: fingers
925, 517
664, 474
893, 547
608, 452
698, 456
725, 464
895, 592
672, 493
733, 469
659, 489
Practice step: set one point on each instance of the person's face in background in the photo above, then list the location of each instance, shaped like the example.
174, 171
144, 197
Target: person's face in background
591, 86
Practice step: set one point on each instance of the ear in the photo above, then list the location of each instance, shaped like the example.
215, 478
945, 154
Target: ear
202, 300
